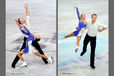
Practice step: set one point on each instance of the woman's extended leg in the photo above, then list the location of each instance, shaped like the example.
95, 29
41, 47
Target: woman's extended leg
70, 35
37, 46
78, 40
20, 55
49, 59
41, 55
77, 43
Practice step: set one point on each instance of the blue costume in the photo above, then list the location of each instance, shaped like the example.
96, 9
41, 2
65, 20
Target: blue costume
81, 24
26, 31
30, 38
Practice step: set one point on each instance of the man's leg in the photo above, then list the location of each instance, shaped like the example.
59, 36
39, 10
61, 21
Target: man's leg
17, 58
85, 43
37, 46
92, 56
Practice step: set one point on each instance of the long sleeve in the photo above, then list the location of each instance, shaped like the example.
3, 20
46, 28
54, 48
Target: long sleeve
28, 20
78, 14
26, 31
30, 34
28, 24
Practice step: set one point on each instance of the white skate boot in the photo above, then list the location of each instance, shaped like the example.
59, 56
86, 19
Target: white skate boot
24, 64
50, 60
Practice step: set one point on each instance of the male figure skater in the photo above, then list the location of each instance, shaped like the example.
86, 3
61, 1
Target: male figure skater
34, 43
93, 27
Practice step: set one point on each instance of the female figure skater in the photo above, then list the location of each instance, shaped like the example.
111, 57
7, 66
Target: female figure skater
29, 47
35, 43
79, 30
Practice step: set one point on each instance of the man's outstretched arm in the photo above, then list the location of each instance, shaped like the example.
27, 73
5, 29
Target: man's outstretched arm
102, 29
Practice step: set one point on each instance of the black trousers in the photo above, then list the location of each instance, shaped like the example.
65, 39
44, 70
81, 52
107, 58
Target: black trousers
92, 41
35, 44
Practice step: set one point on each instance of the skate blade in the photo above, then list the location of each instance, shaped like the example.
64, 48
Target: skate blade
23, 66
52, 60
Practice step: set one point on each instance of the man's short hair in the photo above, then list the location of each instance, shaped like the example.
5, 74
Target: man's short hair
94, 15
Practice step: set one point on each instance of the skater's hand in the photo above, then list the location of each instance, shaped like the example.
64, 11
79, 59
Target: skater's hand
16, 20
100, 30
37, 36
74, 6
26, 6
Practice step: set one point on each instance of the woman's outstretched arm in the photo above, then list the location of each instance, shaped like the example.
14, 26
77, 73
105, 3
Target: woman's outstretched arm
23, 27
78, 14
28, 32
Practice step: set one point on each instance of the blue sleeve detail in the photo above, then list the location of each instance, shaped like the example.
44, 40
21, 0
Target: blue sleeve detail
78, 13
24, 32
28, 32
